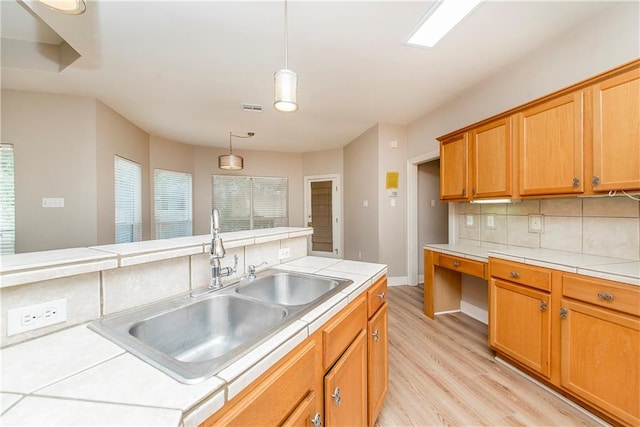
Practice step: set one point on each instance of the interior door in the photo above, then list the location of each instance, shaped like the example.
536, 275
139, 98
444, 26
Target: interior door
322, 212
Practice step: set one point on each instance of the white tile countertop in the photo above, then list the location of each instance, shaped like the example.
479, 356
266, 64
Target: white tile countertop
77, 377
619, 270
35, 266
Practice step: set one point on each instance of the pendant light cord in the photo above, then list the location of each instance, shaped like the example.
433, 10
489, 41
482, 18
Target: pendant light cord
286, 37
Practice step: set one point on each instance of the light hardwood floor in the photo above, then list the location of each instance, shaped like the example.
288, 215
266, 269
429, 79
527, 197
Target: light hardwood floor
442, 373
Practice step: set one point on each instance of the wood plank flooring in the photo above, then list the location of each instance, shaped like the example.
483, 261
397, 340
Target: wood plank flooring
442, 373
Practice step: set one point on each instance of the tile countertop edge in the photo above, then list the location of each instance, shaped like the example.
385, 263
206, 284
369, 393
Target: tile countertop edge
587, 265
205, 406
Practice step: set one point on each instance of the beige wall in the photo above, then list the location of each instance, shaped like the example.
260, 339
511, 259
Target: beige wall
361, 183
323, 162
392, 220
116, 136
55, 156
256, 163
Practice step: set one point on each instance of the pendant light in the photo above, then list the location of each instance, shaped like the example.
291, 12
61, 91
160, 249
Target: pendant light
229, 161
70, 7
285, 81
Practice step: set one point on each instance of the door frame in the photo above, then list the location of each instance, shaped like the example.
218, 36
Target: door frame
336, 217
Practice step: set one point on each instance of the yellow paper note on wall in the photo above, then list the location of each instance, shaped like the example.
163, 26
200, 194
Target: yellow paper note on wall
392, 180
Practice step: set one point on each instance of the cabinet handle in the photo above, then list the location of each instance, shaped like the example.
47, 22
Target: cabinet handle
376, 335
605, 297
336, 396
381, 296
464, 191
595, 180
543, 306
515, 274
316, 420
456, 264
576, 182
473, 191
563, 313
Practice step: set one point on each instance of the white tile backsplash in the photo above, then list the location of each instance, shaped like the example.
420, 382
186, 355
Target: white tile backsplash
497, 233
604, 226
256, 254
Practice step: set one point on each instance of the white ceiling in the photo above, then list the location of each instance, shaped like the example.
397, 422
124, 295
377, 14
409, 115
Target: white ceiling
181, 70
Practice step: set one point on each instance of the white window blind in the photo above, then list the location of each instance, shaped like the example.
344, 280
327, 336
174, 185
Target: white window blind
128, 195
173, 204
248, 203
7, 201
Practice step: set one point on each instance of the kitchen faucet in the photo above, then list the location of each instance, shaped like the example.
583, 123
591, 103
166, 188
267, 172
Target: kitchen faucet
217, 253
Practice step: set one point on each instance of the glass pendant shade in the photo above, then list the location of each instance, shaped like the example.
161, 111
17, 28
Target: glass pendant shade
71, 7
230, 162
286, 90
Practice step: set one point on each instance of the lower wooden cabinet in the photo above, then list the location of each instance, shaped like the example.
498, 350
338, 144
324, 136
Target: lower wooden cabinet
520, 324
305, 414
345, 387
378, 363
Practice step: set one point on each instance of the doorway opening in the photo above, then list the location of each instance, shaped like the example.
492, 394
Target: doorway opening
322, 212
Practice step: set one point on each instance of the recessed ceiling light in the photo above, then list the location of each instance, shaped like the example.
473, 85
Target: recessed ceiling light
440, 20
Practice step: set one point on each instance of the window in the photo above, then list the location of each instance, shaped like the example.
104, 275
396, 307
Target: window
128, 195
7, 201
173, 204
249, 203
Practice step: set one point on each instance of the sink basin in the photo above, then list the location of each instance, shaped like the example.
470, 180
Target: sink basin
193, 336
207, 329
289, 289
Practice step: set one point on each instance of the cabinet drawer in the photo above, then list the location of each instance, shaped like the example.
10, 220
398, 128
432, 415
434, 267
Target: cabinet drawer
463, 265
528, 275
376, 296
604, 293
342, 330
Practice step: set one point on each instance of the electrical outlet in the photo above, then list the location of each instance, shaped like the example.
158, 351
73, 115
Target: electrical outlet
469, 220
284, 253
536, 224
36, 316
491, 221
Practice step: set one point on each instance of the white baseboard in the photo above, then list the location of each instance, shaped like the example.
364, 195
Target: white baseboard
477, 313
421, 278
397, 281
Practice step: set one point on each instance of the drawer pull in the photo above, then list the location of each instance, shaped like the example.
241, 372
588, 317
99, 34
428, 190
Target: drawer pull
543, 306
316, 420
605, 297
336, 396
515, 274
381, 296
376, 335
456, 264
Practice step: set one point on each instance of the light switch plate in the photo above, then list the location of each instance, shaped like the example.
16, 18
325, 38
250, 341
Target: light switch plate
469, 220
491, 221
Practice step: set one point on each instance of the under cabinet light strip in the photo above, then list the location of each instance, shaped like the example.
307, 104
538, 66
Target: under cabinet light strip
438, 22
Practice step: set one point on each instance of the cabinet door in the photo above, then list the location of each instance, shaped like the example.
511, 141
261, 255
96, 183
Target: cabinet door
616, 133
550, 139
491, 160
345, 387
600, 359
519, 324
305, 414
378, 365
454, 179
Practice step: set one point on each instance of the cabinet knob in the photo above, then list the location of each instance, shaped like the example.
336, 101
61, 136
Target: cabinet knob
316, 420
336, 396
563, 313
576, 182
464, 191
543, 306
595, 180
456, 264
376, 335
515, 274
473, 191
381, 296
605, 297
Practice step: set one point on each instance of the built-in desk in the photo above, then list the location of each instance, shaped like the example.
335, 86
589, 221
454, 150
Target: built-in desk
443, 278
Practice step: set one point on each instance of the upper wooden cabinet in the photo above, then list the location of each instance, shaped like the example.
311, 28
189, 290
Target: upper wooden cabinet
454, 177
550, 141
478, 163
491, 160
616, 133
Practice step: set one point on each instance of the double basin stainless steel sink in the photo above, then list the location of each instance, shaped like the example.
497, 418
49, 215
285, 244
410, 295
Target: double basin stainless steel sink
192, 336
